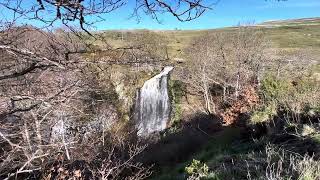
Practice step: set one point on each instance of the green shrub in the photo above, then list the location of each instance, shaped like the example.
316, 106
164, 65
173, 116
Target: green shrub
264, 114
316, 138
297, 96
274, 88
197, 170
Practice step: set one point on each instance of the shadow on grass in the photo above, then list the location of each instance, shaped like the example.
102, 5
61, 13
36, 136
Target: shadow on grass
203, 137
176, 145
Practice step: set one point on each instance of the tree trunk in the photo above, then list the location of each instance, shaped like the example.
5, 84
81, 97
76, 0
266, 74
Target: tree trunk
224, 93
206, 94
237, 85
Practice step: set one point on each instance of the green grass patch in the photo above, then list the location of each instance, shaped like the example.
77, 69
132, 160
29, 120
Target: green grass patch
221, 145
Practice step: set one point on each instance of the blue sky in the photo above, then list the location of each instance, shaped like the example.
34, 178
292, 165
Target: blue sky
226, 13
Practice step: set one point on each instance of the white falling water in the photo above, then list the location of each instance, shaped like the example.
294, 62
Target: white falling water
152, 110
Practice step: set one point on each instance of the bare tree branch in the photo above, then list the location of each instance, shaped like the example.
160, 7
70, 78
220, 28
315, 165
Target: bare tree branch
76, 11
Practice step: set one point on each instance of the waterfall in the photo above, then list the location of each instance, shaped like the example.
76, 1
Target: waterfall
152, 107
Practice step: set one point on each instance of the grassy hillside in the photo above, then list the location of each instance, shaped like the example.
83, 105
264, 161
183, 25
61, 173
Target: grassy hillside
292, 22
289, 34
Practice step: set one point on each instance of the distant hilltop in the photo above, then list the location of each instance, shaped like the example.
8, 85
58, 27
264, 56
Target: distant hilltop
312, 21
291, 22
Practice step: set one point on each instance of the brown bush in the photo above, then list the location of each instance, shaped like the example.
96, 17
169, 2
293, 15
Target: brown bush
247, 100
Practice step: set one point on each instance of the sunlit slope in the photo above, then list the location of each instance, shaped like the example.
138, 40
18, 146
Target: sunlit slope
299, 33
285, 34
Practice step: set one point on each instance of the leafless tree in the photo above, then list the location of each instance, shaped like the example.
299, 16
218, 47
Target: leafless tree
116, 160
229, 60
32, 88
250, 46
46, 83
112, 166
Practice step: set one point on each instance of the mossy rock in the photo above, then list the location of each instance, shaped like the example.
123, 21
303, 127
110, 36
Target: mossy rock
176, 92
